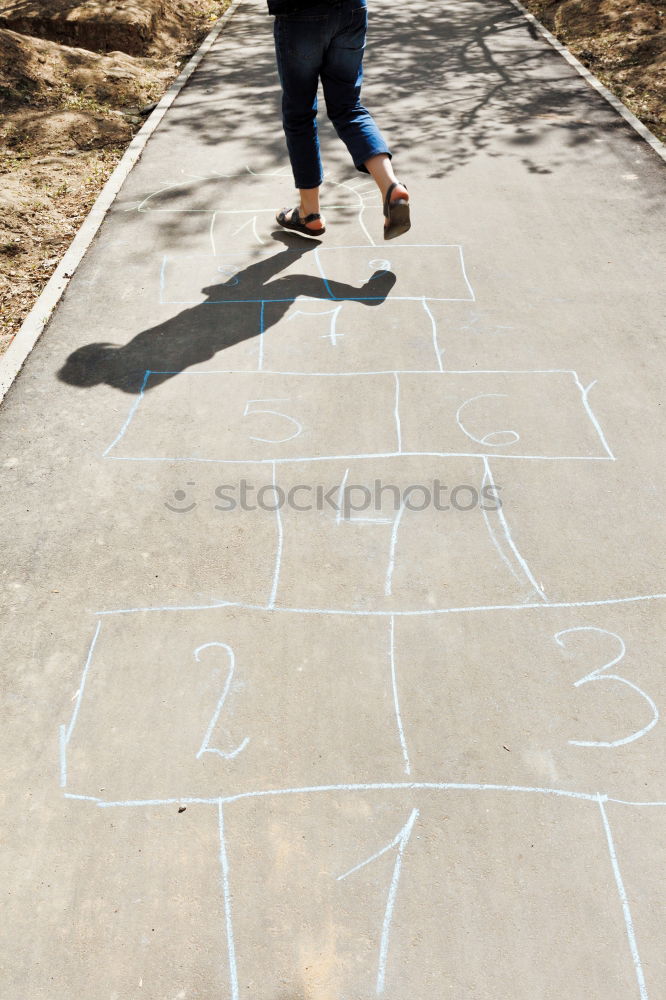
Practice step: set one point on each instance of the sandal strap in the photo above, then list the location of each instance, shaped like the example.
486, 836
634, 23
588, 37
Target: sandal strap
296, 216
387, 199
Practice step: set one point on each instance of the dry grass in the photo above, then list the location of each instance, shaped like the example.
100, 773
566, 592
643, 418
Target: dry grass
623, 42
67, 115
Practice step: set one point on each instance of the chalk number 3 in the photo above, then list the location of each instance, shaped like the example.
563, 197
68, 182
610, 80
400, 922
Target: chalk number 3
601, 675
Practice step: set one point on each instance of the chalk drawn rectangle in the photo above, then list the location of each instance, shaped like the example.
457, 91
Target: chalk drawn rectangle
338, 274
500, 414
463, 893
506, 704
383, 555
432, 272
259, 417
215, 702
335, 337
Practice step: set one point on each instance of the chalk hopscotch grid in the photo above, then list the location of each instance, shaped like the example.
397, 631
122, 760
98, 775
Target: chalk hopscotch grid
401, 840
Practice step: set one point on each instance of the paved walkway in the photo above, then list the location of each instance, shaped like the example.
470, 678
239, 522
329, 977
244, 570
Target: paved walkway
315, 557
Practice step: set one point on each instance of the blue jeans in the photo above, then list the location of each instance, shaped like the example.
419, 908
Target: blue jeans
324, 42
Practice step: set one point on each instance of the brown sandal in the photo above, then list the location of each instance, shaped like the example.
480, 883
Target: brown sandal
397, 213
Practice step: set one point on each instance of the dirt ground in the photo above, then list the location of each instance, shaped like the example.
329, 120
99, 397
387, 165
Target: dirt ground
66, 117
67, 113
623, 42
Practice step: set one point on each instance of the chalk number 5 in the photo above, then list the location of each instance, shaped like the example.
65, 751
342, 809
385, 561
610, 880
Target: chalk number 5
251, 408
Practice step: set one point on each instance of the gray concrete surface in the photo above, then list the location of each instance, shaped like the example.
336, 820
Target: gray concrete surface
320, 755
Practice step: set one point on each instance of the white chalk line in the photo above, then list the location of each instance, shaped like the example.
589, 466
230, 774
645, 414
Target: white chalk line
388, 582
358, 455
419, 612
379, 786
491, 531
262, 333
361, 374
253, 223
584, 391
279, 546
509, 538
631, 935
435, 339
361, 210
130, 415
396, 412
472, 296
485, 440
66, 733
368, 787
341, 493
226, 892
396, 698
403, 839
211, 233
162, 280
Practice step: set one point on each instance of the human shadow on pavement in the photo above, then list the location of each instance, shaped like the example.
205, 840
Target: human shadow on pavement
199, 333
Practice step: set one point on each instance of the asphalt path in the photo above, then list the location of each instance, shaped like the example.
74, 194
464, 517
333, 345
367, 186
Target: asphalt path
332, 575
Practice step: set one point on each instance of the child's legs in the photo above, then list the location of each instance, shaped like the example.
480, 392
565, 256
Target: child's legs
299, 47
342, 76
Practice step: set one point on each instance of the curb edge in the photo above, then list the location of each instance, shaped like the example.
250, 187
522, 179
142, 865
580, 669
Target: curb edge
657, 145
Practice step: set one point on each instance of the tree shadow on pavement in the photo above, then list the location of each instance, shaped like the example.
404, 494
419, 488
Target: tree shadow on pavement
198, 334
444, 81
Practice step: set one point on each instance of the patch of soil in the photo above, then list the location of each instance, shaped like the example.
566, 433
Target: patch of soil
101, 25
66, 116
623, 42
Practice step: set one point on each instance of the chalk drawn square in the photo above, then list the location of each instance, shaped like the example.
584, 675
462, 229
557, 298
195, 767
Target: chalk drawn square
594, 529
218, 702
323, 336
425, 894
499, 414
410, 534
563, 698
258, 417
